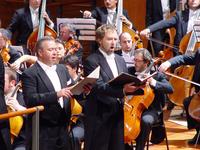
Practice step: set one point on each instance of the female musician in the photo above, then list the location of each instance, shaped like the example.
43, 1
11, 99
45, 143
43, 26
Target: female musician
187, 60
25, 20
183, 21
160, 86
72, 46
14, 103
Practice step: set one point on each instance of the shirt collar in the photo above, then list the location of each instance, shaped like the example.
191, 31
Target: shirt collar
46, 67
111, 11
34, 10
111, 56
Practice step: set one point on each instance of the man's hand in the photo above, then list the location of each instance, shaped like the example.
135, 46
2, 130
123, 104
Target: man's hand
164, 66
126, 21
145, 33
87, 14
14, 104
46, 17
65, 92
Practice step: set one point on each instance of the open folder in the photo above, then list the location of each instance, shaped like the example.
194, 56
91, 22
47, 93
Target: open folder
77, 89
124, 78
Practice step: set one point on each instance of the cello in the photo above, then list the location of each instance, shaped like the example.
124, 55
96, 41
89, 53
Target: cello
41, 31
188, 45
133, 109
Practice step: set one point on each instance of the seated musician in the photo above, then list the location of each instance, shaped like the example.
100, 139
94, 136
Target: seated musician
187, 60
127, 50
160, 86
183, 22
8, 54
14, 102
72, 46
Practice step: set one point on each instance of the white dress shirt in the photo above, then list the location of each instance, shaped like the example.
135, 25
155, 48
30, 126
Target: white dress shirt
111, 62
165, 8
111, 16
34, 17
53, 76
193, 16
128, 58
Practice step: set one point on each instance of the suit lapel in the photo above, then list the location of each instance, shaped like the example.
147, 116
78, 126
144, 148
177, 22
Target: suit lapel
28, 18
104, 15
45, 78
159, 7
118, 63
185, 17
104, 66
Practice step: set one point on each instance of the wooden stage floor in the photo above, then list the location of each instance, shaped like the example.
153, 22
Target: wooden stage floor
177, 137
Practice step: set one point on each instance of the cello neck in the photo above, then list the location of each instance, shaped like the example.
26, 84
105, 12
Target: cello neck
42, 21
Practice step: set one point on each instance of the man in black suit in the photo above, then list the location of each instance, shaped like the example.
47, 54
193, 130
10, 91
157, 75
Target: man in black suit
183, 22
107, 14
160, 87
188, 60
25, 20
46, 84
157, 10
104, 120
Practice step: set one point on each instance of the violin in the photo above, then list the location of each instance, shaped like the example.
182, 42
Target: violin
5, 52
72, 46
16, 122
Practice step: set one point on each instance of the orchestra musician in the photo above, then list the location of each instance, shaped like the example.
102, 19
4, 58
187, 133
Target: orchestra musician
25, 20
127, 50
183, 22
14, 103
67, 34
160, 86
5, 139
5, 47
104, 120
107, 14
187, 60
157, 10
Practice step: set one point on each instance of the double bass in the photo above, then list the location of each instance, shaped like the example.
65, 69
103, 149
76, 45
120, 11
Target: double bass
123, 27
41, 31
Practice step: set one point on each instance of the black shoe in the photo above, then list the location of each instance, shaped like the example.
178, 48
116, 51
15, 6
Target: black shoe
193, 140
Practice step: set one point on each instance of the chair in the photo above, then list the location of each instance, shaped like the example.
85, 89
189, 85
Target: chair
160, 123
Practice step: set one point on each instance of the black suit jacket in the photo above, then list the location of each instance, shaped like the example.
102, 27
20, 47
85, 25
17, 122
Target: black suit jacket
104, 107
100, 13
162, 87
189, 60
38, 90
4, 124
179, 21
154, 14
21, 23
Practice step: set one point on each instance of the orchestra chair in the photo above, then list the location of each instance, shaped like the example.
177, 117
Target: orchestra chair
160, 123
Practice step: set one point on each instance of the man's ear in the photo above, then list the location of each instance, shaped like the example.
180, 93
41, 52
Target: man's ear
13, 82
